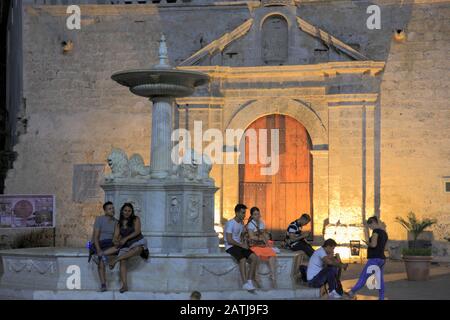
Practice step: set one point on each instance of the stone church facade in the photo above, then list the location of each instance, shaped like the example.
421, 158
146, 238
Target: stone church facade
363, 114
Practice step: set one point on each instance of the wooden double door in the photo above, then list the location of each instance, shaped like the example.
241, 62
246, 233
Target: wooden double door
284, 196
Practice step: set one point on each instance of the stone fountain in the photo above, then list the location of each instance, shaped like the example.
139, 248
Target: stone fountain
174, 200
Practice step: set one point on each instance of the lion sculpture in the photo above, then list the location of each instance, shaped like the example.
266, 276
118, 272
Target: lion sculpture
194, 167
122, 168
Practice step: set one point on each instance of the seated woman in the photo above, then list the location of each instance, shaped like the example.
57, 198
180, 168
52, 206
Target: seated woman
260, 243
129, 240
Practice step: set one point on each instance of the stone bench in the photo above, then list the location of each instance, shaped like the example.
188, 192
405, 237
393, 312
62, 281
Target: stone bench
164, 275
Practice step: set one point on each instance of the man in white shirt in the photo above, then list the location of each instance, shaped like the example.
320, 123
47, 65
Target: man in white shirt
323, 267
239, 250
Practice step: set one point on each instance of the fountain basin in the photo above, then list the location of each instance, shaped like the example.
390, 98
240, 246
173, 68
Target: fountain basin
44, 273
161, 82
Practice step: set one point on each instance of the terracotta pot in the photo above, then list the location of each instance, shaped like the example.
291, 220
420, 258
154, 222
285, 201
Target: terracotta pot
417, 267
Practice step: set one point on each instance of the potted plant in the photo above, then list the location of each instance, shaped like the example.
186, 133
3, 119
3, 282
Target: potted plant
416, 257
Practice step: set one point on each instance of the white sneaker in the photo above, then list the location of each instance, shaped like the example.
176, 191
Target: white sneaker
248, 286
334, 295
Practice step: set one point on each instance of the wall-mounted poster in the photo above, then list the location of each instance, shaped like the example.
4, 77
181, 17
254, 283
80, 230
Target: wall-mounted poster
27, 211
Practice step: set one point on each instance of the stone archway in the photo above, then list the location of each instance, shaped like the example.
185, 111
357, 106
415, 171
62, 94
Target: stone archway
296, 109
286, 192
317, 130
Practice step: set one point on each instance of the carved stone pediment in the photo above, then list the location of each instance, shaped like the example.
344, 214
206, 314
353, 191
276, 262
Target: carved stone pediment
269, 28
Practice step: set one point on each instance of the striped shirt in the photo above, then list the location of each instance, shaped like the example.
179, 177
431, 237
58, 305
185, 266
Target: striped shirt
294, 228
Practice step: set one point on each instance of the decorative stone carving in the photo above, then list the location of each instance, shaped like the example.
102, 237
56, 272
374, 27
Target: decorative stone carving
118, 162
134, 201
216, 272
122, 168
137, 167
219, 44
194, 168
174, 210
275, 40
29, 265
193, 209
282, 268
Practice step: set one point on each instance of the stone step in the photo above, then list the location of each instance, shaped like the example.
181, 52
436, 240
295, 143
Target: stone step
278, 294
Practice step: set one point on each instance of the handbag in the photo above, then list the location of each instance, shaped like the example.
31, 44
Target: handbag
256, 243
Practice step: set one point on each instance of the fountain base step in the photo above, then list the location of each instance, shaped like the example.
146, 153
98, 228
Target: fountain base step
279, 294
64, 273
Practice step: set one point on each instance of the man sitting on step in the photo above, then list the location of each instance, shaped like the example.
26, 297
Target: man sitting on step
324, 268
102, 239
296, 239
238, 249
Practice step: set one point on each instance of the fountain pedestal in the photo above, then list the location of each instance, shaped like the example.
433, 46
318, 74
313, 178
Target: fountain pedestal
176, 216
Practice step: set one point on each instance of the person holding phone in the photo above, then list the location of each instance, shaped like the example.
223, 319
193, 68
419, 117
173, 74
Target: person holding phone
296, 239
375, 256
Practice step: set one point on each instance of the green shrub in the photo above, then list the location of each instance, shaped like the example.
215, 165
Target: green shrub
415, 226
416, 251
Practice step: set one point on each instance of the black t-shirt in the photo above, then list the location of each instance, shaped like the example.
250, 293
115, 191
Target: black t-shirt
378, 251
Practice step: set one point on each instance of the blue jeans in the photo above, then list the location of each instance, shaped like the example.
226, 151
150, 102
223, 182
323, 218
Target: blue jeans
326, 275
365, 275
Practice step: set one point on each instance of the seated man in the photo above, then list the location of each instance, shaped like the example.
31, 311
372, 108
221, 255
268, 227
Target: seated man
296, 239
324, 268
239, 250
103, 238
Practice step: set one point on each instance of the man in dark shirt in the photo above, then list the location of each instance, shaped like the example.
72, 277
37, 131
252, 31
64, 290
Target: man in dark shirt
296, 239
375, 257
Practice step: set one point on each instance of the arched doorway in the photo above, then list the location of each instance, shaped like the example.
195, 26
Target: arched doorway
281, 197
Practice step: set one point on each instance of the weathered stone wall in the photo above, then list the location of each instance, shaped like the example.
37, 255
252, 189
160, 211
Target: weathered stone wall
76, 113
415, 115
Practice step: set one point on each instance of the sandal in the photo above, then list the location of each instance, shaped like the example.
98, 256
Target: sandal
123, 289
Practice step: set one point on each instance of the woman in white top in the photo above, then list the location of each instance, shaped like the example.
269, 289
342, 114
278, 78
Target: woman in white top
260, 243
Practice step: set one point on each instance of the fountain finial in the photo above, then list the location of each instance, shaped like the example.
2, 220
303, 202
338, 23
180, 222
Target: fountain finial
163, 55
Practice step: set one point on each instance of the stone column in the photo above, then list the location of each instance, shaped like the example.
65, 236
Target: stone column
351, 165
346, 172
320, 192
161, 144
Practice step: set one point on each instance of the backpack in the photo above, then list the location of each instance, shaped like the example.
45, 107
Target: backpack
303, 270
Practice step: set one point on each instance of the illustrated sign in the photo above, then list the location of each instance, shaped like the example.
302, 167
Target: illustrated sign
27, 211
